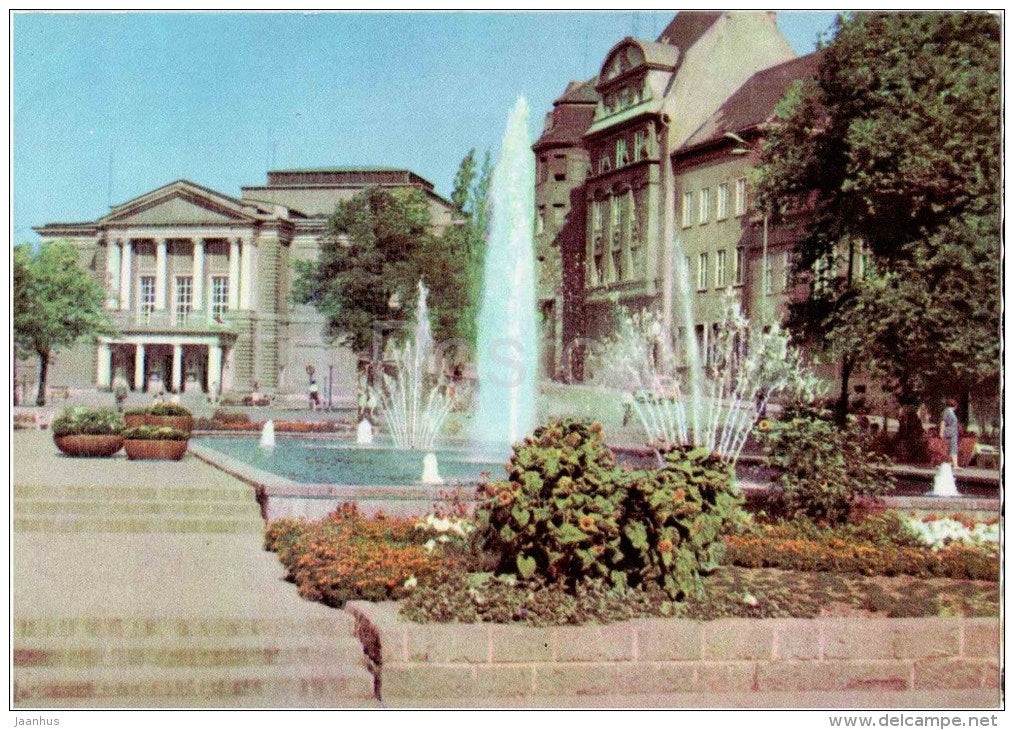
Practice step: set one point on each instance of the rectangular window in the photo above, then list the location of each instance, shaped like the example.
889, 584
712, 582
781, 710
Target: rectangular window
720, 268
702, 272
723, 202
786, 270
767, 275
559, 214
540, 220
737, 277
604, 164
596, 216
640, 145
219, 296
705, 205
614, 211
621, 153
146, 298
559, 167
688, 209
184, 299
741, 196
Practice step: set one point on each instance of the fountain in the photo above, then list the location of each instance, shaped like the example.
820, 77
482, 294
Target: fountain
268, 435
431, 472
943, 482
364, 433
507, 356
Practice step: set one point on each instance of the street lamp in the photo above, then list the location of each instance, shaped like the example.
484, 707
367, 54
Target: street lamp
746, 148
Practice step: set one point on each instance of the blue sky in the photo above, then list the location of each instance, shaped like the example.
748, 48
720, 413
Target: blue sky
221, 98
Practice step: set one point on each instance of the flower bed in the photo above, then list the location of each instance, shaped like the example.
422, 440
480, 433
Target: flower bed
214, 424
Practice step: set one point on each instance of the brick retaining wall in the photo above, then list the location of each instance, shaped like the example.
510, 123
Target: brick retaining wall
416, 662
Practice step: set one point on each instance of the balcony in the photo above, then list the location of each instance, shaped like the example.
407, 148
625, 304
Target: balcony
166, 321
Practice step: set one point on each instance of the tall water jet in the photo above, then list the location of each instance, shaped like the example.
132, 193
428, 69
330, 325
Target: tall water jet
268, 435
507, 357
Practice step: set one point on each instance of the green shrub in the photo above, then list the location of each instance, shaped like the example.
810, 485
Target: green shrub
82, 421
566, 513
823, 472
168, 409
673, 520
557, 515
137, 411
224, 415
154, 433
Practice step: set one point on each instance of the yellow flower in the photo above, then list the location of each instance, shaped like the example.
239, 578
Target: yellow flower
763, 425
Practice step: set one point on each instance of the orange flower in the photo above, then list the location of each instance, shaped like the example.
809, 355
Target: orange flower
506, 496
664, 545
587, 522
679, 495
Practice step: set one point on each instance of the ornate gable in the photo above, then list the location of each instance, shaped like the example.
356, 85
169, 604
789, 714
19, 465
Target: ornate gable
179, 203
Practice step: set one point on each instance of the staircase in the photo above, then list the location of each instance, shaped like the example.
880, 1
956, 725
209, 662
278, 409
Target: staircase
145, 584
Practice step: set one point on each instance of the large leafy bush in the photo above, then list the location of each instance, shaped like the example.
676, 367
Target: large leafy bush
673, 519
83, 421
558, 513
155, 433
567, 514
823, 472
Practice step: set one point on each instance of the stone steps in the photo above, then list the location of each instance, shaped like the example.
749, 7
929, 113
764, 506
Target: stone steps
337, 624
262, 685
194, 652
65, 523
161, 508
33, 491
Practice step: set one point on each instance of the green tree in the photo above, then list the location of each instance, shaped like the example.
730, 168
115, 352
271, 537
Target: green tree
56, 303
466, 241
893, 151
378, 245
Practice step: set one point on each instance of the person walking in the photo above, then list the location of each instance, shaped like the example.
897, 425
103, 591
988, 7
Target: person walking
949, 430
120, 390
314, 395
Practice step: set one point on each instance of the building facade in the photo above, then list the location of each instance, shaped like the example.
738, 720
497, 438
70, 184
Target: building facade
198, 285
667, 150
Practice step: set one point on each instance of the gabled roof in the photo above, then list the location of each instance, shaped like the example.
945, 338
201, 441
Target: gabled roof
754, 102
199, 196
579, 92
688, 25
571, 116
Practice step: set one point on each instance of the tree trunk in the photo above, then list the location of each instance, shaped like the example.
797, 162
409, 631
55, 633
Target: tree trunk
40, 399
841, 410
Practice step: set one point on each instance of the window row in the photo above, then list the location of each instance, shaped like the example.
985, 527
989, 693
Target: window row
722, 277
626, 96
620, 155
697, 206
183, 298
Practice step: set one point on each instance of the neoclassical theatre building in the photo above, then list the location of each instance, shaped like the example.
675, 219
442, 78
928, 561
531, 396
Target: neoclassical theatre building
198, 284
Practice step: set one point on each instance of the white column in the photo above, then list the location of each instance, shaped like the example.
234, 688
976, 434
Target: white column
105, 361
234, 273
161, 272
214, 370
198, 291
177, 367
246, 275
112, 274
139, 369
126, 273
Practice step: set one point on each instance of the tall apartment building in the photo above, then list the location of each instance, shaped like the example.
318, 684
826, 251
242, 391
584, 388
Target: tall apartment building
198, 284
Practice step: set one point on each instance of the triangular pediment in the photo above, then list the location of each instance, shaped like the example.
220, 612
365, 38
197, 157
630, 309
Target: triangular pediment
179, 204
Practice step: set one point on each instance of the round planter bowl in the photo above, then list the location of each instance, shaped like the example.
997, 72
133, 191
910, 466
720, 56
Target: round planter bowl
154, 449
135, 419
92, 446
183, 423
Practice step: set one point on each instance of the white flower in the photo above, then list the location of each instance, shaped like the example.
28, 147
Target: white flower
750, 600
430, 544
411, 583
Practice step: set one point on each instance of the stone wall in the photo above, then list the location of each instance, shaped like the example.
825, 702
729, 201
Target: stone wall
651, 657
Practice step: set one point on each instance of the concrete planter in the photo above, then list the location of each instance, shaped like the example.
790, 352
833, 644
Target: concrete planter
726, 662
155, 449
90, 446
183, 423
135, 419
